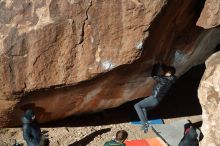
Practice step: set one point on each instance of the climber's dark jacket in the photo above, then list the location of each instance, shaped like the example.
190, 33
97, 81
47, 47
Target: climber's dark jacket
162, 86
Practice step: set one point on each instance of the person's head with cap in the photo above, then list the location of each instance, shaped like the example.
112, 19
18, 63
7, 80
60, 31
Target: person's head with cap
29, 114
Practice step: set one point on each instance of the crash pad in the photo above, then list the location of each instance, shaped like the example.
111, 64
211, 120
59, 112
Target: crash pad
171, 133
146, 142
154, 121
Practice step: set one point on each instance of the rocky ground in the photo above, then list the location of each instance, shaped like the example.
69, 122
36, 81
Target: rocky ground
85, 135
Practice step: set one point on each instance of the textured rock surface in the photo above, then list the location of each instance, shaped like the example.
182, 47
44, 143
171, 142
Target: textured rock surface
58, 43
65, 42
77, 56
209, 96
210, 16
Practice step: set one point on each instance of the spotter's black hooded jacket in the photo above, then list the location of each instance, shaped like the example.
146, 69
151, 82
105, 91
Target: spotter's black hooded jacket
31, 131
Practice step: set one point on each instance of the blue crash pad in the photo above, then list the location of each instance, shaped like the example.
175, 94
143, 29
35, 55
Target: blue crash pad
154, 121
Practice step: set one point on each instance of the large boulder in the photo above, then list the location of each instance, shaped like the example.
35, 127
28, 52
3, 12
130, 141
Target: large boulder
68, 57
209, 97
210, 16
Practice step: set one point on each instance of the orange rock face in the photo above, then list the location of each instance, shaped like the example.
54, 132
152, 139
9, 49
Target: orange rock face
209, 97
68, 57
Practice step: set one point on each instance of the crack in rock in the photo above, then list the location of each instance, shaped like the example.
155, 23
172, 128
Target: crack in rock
83, 25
